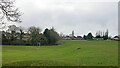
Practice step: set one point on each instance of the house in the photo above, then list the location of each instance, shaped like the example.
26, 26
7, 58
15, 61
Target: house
79, 38
26, 37
67, 38
116, 38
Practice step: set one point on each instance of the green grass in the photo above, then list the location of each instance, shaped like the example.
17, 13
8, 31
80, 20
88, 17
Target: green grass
91, 53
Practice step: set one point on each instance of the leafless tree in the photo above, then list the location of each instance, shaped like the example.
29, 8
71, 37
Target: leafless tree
8, 12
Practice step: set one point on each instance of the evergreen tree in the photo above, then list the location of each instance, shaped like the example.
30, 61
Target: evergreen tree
51, 35
89, 36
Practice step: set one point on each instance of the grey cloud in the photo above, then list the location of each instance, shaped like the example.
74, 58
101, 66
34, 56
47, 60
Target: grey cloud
68, 16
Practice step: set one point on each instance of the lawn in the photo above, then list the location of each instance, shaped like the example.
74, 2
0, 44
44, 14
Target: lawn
68, 53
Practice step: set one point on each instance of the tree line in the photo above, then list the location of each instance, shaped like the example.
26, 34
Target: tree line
99, 34
33, 36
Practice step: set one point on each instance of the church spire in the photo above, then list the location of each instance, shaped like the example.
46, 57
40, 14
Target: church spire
73, 33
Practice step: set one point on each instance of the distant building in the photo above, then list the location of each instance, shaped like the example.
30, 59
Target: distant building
26, 37
72, 33
72, 37
79, 38
116, 38
67, 38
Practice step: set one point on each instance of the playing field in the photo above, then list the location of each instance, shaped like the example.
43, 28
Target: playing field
68, 53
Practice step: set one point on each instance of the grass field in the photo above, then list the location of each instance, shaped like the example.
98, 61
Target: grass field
91, 53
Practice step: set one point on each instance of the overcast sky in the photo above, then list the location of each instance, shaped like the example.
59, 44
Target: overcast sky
82, 16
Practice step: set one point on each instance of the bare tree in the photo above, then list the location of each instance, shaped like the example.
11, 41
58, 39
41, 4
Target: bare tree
34, 34
13, 28
8, 12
